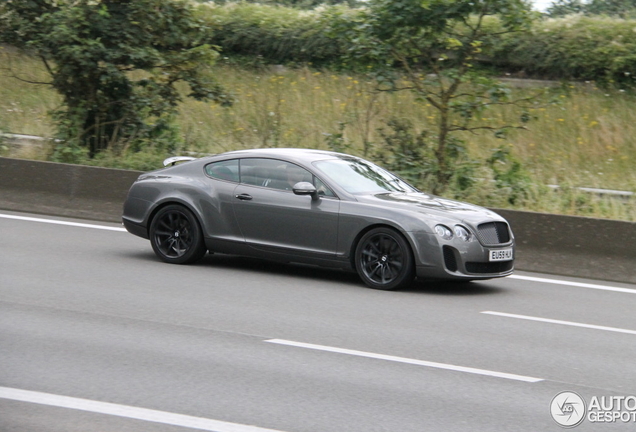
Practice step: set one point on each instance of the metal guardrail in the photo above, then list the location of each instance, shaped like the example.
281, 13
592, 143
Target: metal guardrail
622, 194
19, 145
22, 137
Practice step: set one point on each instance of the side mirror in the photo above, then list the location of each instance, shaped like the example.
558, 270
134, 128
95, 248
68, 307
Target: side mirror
306, 188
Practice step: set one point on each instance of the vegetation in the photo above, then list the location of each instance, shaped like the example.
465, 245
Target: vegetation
576, 47
259, 34
584, 140
429, 49
589, 48
299, 4
619, 8
587, 140
90, 50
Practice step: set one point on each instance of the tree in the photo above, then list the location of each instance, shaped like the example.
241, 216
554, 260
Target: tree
565, 7
620, 8
116, 64
430, 47
300, 4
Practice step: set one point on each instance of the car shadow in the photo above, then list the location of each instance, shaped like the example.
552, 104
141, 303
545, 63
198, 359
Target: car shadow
317, 273
349, 277
455, 288
275, 267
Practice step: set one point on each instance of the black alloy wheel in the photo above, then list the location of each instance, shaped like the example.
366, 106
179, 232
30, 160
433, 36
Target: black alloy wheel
176, 236
384, 260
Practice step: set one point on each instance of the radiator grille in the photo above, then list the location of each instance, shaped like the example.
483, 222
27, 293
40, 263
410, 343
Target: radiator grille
493, 233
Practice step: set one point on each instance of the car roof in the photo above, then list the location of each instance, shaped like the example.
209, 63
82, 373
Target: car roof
291, 154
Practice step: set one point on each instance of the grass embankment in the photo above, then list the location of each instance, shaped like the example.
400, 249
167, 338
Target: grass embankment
585, 141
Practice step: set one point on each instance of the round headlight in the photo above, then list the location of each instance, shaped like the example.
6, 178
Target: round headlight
444, 232
463, 233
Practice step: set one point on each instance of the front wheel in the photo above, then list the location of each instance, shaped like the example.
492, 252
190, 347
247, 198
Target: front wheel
175, 235
384, 260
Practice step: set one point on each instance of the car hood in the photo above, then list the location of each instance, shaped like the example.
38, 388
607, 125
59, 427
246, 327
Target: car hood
431, 205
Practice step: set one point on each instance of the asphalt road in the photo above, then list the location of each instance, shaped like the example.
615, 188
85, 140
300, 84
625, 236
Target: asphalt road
97, 335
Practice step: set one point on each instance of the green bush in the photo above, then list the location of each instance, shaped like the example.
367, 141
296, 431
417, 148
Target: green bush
277, 34
576, 47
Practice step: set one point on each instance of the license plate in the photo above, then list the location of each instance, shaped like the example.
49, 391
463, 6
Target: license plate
500, 255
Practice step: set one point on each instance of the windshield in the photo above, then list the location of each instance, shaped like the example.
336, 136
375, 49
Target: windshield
358, 177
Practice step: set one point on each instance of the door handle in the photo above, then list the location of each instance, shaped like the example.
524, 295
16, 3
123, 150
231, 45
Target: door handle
243, 197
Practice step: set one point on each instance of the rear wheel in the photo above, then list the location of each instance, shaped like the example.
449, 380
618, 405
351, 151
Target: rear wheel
175, 235
384, 260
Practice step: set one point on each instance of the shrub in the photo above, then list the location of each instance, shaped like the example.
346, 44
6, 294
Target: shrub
277, 34
575, 48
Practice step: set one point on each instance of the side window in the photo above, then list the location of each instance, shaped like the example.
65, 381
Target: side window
272, 173
256, 172
292, 175
224, 170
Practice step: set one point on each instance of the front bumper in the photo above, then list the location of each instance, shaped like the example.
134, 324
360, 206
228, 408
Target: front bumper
455, 259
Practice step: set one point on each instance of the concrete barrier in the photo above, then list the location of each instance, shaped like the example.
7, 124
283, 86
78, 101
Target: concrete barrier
63, 189
565, 245
574, 246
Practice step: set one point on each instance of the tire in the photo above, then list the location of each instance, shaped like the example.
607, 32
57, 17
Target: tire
384, 260
176, 236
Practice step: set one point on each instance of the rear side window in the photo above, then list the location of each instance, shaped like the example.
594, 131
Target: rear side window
224, 170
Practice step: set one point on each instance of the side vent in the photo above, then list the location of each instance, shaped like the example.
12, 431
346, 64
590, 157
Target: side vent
450, 261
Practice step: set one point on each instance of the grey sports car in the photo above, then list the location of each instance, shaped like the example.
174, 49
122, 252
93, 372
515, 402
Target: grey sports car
316, 207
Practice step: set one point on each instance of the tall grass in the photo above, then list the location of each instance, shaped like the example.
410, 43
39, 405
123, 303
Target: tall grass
587, 140
24, 107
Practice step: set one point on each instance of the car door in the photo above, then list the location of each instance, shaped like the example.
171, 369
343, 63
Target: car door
273, 219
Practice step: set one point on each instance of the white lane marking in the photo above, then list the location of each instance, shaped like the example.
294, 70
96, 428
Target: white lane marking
58, 222
149, 415
553, 321
527, 278
575, 284
406, 360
